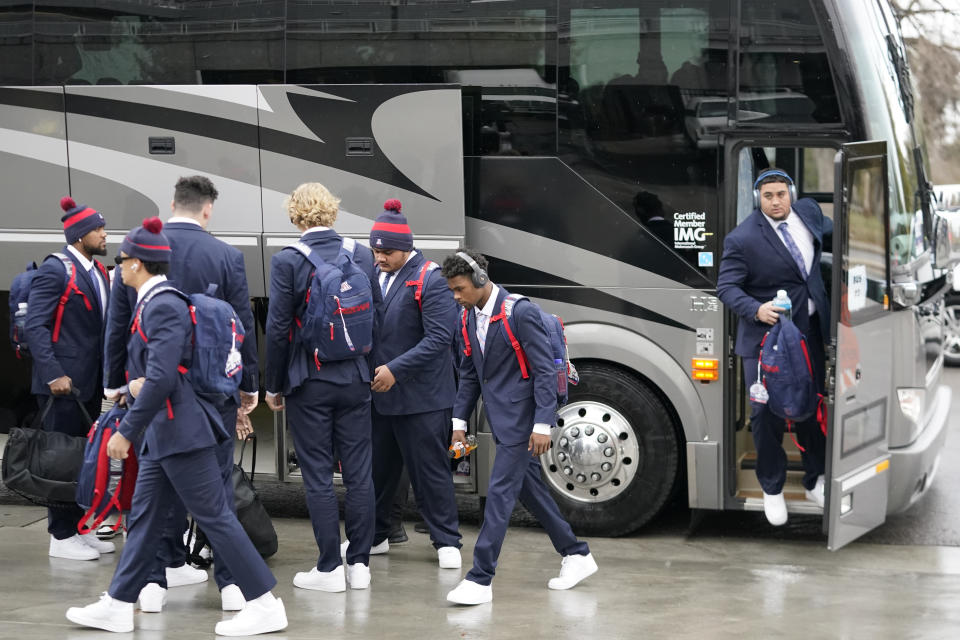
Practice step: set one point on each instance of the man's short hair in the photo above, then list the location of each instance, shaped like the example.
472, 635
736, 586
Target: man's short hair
156, 268
192, 192
772, 179
454, 265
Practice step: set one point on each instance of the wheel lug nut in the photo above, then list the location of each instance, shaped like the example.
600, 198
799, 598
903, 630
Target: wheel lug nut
581, 477
608, 452
568, 471
562, 457
575, 432
602, 438
564, 442
588, 430
595, 476
606, 466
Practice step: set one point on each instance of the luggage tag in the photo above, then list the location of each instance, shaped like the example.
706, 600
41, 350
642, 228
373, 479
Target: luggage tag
234, 360
758, 392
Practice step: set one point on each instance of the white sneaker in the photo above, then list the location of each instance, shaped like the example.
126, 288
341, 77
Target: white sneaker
449, 557
72, 548
261, 615
817, 493
375, 550
107, 614
469, 592
102, 546
187, 574
358, 575
231, 598
331, 581
775, 508
152, 598
573, 569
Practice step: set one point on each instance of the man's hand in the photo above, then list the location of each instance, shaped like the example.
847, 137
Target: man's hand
118, 447
61, 386
135, 385
244, 427
383, 379
275, 402
248, 402
539, 444
768, 313
458, 436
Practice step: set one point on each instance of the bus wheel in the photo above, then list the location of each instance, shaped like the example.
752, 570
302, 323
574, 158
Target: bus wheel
951, 330
615, 453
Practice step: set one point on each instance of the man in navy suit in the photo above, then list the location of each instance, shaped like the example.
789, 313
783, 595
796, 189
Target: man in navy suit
327, 403
520, 410
177, 434
413, 386
778, 247
198, 259
64, 328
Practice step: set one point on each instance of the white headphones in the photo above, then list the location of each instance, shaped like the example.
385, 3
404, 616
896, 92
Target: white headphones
133, 267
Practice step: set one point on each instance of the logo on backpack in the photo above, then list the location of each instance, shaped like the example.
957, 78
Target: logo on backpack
104, 485
215, 366
337, 323
565, 371
20, 294
786, 372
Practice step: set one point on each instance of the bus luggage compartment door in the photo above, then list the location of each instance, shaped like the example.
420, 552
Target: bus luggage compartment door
859, 378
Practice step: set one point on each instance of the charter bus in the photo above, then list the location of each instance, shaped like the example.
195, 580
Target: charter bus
596, 150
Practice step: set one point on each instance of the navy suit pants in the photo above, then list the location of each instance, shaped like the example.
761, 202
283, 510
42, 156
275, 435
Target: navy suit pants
516, 474
324, 416
194, 478
172, 551
65, 416
421, 441
768, 429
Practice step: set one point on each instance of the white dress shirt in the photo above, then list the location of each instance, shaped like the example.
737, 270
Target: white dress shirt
483, 316
87, 265
804, 240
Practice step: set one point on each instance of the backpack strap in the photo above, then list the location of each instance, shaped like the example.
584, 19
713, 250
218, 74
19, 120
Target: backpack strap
68, 291
136, 325
103, 271
506, 310
427, 267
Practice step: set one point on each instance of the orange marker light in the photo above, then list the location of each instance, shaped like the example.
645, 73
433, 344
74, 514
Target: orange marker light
705, 369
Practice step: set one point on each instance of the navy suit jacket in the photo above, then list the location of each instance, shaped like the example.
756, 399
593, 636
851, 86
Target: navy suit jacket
288, 361
416, 346
513, 404
756, 263
167, 417
197, 260
77, 352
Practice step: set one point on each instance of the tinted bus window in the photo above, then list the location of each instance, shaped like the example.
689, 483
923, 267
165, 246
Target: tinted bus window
784, 73
159, 42
645, 97
16, 43
506, 49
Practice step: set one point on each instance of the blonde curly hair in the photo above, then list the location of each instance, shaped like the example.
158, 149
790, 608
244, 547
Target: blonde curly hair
312, 205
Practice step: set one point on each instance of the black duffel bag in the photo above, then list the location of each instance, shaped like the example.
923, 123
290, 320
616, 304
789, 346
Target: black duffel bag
253, 517
43, 466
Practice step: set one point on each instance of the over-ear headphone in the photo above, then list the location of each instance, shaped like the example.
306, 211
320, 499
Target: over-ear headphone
479, 277
767, 174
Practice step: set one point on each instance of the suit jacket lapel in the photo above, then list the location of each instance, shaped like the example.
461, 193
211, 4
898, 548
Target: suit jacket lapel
493, 328
84, 281
477, 354
405, 273
773, 237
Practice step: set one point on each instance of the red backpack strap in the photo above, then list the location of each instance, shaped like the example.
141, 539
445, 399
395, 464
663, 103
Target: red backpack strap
99, 486
68, 291
506, 310
103, 271
418, 283
467, 351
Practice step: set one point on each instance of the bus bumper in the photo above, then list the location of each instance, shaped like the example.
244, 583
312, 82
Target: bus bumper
912, 468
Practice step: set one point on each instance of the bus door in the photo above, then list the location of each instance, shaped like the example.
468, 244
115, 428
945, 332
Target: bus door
859, 373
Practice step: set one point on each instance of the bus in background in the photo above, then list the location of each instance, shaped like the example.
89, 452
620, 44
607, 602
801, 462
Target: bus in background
597, 152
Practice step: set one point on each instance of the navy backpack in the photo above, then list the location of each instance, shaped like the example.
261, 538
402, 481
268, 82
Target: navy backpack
786, 372
216, 366
104, 485
337, 323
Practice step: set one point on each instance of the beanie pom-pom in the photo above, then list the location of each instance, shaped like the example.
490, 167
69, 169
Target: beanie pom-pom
67, 203
392, 205
153, 225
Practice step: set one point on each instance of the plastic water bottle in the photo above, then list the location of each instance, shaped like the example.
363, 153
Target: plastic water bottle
116, 473
20, 316
783, 301
457, 450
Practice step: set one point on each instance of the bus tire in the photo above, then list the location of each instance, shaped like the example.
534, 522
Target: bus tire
951, 329
615, 453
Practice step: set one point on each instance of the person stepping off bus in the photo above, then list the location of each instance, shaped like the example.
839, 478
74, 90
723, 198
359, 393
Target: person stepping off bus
413, 386
521, 410
778, 247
